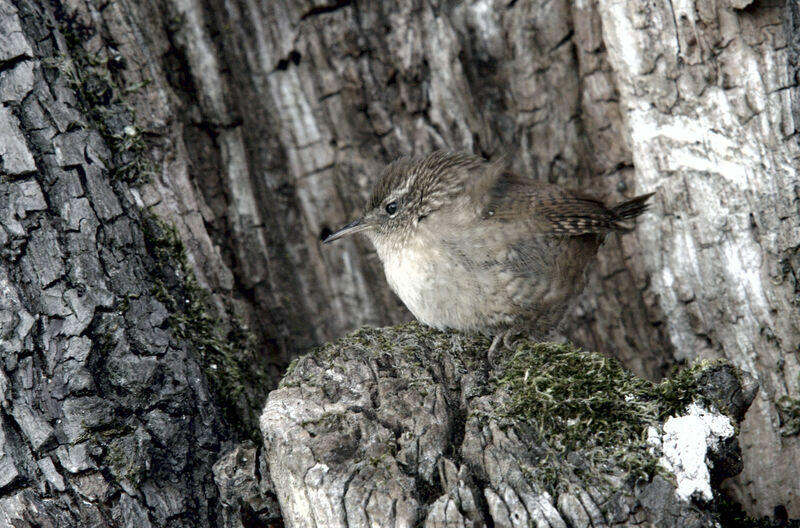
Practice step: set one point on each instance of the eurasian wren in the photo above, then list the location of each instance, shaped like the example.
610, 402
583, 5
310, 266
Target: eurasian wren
469, 245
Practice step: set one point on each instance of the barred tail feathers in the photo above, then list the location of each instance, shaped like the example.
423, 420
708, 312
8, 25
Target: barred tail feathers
630, 210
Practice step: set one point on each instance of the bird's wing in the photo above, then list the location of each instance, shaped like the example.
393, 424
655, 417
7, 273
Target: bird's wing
506, 197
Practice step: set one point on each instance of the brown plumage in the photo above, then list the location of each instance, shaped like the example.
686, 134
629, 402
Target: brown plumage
472, 246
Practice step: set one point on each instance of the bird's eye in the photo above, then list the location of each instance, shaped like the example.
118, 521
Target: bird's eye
391, 208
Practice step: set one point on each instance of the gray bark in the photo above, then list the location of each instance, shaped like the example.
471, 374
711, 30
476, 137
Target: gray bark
259, 126
106, 418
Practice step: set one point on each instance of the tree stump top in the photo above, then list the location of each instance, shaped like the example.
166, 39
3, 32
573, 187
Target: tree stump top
402, 425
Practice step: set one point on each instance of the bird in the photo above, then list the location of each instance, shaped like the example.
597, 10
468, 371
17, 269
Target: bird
472, 246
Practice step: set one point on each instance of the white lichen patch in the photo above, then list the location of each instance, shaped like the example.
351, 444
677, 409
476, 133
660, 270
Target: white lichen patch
684, 443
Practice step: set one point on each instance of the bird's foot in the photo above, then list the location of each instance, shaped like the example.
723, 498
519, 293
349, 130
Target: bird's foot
508, 339
493, 352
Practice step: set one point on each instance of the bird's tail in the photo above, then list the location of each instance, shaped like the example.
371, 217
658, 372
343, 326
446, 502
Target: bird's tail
630, 210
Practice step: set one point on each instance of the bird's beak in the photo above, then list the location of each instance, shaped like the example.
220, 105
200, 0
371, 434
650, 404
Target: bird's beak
353, 227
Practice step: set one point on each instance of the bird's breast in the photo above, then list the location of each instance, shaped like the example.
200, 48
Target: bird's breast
438, 286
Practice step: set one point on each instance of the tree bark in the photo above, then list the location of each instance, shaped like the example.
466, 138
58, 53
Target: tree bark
106, 418
257, 127
706, 93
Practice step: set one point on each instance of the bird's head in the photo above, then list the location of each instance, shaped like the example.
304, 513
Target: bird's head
408, 191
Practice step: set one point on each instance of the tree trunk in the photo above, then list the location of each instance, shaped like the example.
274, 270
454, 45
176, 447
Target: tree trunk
707, 96
257, 127
108, 344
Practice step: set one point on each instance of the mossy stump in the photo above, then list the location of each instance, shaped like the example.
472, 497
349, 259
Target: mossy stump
408, 426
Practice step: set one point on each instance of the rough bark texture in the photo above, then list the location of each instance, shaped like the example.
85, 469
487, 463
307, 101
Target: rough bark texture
106, 418
407, 427
255, 127
246, 491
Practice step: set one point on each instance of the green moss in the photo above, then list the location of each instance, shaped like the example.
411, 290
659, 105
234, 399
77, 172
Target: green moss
585, 402
122, 465
102, 101
99, 433
115, 439
228, 355
291, 368
585, 415
327, 421
789, 412
548, 473
125, 302
403, 341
